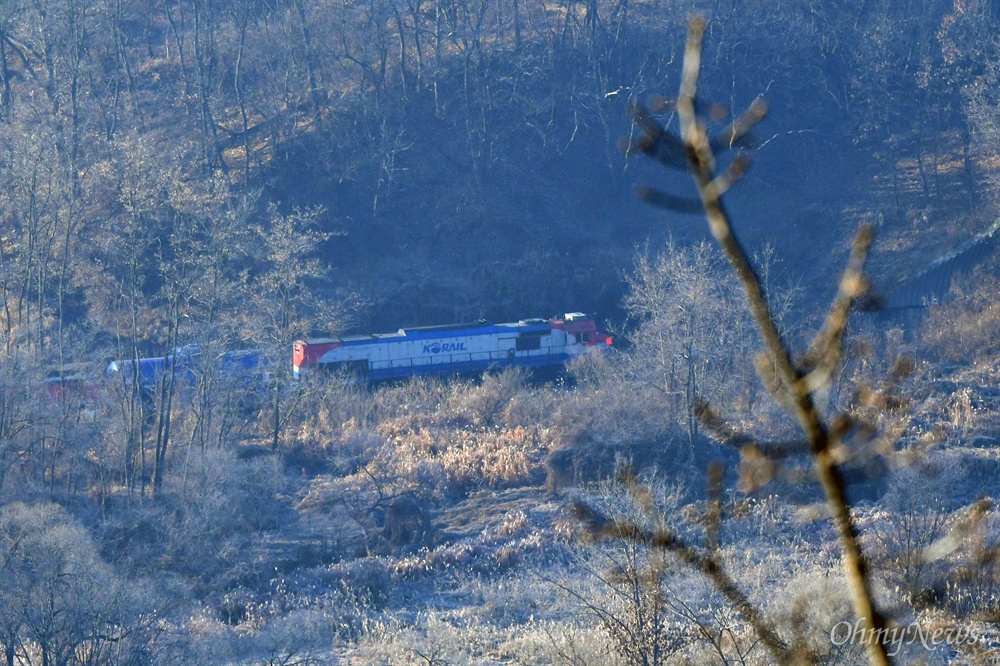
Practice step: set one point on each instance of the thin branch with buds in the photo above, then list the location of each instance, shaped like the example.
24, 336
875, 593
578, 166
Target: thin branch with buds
792, 384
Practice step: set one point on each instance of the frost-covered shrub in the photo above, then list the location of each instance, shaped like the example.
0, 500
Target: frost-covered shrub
497, 549
215, 510
494, 458
595, 430
428, 640
484, 403
332, 429
757, 517
366, 582
970, 589
302, 636
617, 417
463, 637
561, 644
810, 605
534, 406
912, 515
415, 403
339, 511
60, 598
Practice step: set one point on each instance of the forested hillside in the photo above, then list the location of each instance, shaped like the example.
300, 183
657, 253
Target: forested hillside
464, 155
235, 174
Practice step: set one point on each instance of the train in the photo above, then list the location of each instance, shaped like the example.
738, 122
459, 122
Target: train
187, 363
243, 369
453, 349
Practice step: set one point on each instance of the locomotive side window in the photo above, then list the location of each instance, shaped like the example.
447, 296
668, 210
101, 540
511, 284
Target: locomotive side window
528, 342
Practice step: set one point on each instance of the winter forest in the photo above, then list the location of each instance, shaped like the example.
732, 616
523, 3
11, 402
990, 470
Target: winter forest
790, 453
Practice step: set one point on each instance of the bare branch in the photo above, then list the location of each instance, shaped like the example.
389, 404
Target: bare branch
739, 131
702, 164
669, 202
826, 350
656, 142
713, 511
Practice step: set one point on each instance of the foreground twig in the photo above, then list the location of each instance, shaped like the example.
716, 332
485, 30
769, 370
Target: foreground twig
796, 388
792, 385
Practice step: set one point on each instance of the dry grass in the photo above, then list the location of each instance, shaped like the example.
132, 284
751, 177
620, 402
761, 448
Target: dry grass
968, 327
464, 458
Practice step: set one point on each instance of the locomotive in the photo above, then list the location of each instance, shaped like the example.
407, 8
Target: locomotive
409, 352
451, 349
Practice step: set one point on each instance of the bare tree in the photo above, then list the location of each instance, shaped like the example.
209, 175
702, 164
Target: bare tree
692, 340
283, 299
60, 601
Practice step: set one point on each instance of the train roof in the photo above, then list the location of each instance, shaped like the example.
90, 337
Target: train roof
481, 327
